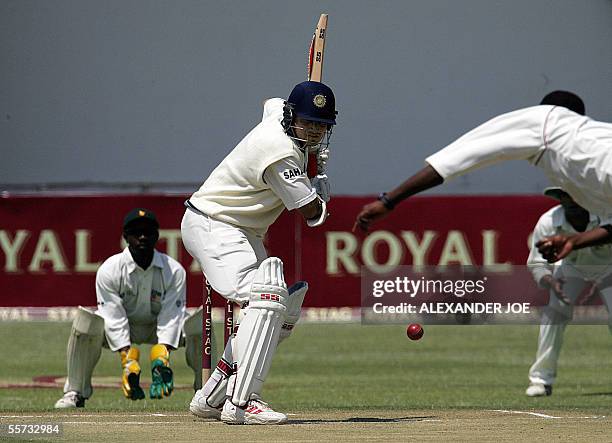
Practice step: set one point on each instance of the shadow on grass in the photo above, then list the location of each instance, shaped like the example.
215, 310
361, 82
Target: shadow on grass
596, 394
362, 420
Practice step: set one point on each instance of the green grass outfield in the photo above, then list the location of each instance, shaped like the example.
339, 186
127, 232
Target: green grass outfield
349, 367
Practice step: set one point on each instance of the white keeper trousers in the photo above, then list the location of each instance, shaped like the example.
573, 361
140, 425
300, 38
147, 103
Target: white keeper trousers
554, 320
229, 256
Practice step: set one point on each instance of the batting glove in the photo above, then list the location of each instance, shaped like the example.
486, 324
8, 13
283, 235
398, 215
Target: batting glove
322, 158
162, 380
320, 183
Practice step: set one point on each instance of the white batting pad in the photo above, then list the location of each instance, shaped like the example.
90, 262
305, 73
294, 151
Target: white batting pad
297, 292
84, 349
258, 334
269, 288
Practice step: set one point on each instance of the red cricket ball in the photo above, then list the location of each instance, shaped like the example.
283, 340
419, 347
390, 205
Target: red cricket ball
414, 331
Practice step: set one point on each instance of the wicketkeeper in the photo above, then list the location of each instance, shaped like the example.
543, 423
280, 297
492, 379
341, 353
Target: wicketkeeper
141, 299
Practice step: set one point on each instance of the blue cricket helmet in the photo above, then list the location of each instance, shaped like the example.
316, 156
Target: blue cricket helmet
313, 101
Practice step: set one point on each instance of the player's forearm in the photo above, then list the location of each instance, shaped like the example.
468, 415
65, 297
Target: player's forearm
597, 236
312, 209
423, 180
321, 215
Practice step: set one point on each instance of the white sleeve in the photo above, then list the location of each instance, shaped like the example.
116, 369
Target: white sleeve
273, 108
538, 266
517, 135
110, 307
289, 182
172, 313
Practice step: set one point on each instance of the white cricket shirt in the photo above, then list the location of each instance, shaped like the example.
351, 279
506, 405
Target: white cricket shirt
262, 175
593, 262
574, 151
129, 296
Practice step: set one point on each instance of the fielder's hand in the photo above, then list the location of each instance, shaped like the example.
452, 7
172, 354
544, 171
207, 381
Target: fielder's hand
320, 183
162, 380
555, 285
370, 213
555, 248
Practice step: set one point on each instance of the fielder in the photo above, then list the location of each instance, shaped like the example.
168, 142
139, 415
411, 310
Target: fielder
141, 299
574, 151
585, 270
223, 227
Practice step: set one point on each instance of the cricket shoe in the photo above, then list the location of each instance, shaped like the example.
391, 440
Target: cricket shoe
256, 412
200, 408
538, 390
71, 399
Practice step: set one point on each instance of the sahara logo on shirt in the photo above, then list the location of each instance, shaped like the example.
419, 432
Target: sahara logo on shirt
291, 173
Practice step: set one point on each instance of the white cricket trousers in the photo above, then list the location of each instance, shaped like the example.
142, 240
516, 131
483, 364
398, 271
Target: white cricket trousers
554, 320
229, 256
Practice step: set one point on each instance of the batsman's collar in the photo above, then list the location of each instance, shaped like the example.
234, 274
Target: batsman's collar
555, 192
140, 214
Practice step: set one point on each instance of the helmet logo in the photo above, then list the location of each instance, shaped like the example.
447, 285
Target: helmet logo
319, 100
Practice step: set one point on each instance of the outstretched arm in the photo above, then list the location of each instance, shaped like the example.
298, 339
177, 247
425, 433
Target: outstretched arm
513, 136
426, 178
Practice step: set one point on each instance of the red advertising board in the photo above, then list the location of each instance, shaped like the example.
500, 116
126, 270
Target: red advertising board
50, 247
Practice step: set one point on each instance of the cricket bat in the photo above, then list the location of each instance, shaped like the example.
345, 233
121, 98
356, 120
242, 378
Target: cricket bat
316, 53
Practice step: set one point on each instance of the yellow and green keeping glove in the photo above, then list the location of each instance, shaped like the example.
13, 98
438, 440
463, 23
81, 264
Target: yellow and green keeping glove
162, 382
130, 380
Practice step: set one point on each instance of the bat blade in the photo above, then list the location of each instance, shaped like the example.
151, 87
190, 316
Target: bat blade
317, 51
315, 74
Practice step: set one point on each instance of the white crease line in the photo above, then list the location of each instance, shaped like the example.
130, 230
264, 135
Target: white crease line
590, 417
95, 415
535, 414
120, 423
586, 417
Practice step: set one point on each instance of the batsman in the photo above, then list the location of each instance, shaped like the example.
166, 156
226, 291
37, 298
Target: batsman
223, 229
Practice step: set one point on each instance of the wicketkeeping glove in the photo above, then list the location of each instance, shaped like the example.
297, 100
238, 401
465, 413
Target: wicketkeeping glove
320, 183
162, 382
130, 380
